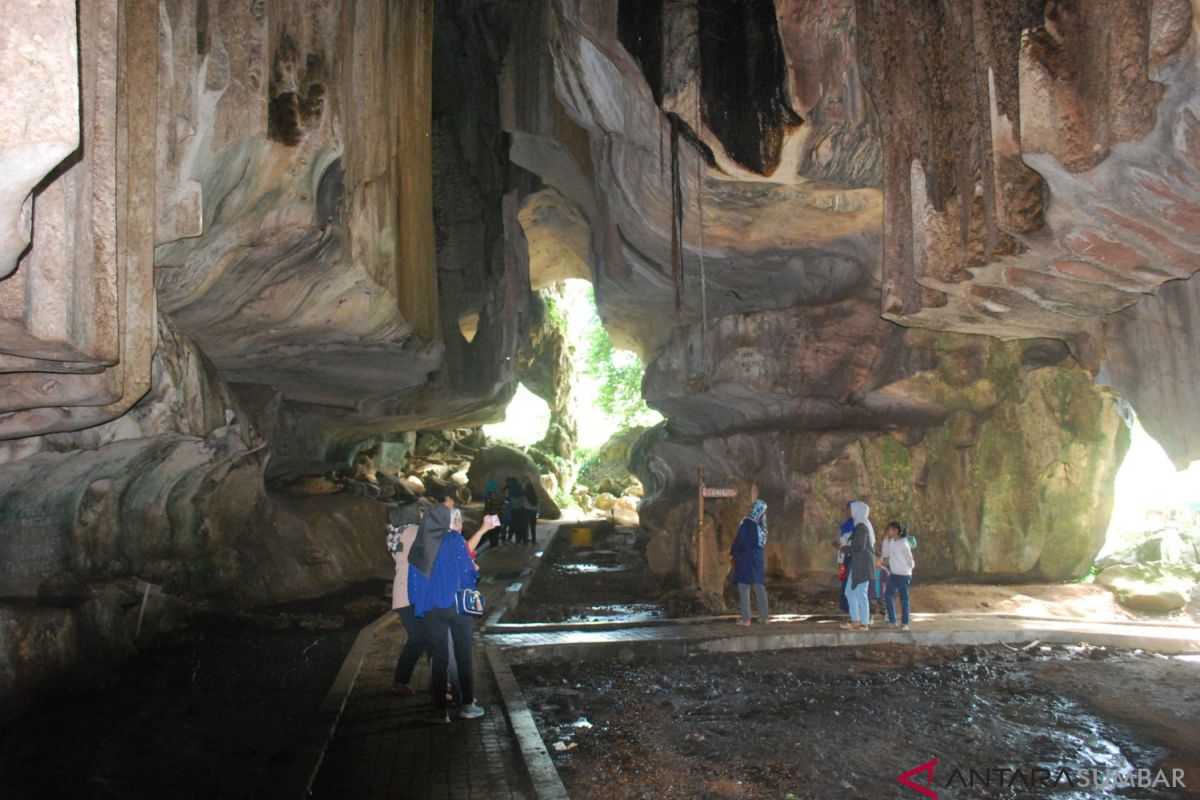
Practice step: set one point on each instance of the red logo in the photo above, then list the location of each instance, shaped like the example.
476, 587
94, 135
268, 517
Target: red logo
925, 790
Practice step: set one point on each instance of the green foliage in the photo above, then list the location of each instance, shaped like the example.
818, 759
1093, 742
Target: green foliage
554, 314
619, 373
563, 499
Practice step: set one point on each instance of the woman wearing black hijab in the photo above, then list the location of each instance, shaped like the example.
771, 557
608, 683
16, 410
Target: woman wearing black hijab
438, 567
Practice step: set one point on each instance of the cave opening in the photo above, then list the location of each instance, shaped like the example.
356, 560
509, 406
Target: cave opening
1153, 537
526, 420
586, 405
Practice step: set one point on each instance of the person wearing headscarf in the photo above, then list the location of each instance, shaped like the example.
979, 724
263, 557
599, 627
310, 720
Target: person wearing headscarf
860, 559
402, 533
748, 565
438, 567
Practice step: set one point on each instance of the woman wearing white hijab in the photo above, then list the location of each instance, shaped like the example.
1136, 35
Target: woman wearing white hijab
860, 555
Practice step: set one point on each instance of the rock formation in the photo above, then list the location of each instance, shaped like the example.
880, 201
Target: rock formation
237, 245
949, 167
923, 254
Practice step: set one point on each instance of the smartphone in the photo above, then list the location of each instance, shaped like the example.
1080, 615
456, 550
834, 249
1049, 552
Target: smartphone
492, 520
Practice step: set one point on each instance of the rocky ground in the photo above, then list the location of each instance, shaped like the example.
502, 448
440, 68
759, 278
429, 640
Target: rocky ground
844, 723
212, 711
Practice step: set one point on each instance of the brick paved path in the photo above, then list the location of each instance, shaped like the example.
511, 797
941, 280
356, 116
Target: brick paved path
381, 748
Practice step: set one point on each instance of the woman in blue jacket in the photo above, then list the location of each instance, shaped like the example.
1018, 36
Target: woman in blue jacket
747, 556
438, 567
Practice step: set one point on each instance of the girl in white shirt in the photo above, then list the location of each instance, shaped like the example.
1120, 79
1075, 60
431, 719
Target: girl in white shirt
898, 555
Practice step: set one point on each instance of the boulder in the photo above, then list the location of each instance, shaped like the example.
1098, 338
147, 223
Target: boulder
1159, 588
625, 517
605, 501
413, 484
1153, 599
583, 498
611, 462
1169, 545
626, 502
634, 487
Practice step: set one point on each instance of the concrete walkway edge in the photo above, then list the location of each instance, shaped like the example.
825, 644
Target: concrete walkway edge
300, 781
547, 784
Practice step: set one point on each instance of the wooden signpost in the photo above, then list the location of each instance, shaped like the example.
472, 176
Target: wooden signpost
705, 491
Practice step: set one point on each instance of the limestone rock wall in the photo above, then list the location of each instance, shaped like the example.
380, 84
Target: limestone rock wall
236, 241
1000, 457
953, 166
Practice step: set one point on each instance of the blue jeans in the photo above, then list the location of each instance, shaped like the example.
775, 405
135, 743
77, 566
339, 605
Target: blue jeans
897, 584
860, 606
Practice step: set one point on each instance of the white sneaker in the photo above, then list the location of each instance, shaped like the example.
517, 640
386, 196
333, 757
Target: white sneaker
471, 711
903, 627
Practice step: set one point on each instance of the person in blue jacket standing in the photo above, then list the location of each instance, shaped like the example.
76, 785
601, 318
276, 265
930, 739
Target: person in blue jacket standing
438, 566
747, 557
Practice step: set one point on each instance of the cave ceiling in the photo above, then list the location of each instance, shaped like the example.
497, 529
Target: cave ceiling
316, 194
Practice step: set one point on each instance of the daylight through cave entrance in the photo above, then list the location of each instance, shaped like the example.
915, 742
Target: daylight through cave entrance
1152, 501
591, 393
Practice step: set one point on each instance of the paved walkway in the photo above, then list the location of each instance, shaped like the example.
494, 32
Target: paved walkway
380, 748
684, 637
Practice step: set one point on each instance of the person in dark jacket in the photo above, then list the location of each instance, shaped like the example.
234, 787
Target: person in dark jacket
860, 567
403, 522
531, 510
493, 506
438, 566
514, 497
748, 566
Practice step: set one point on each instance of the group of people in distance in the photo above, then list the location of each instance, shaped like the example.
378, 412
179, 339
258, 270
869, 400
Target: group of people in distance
517, 508
859, 567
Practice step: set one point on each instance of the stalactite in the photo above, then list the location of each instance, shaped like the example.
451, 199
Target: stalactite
700, 229
676, 216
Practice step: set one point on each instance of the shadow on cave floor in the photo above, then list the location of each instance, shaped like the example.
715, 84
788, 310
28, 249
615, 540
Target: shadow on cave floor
212, 711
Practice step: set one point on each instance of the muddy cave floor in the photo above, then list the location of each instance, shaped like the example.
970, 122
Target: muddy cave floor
845, 722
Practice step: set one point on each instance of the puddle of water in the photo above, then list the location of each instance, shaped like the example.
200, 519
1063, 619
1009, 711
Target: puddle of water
587, 569
620, 612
